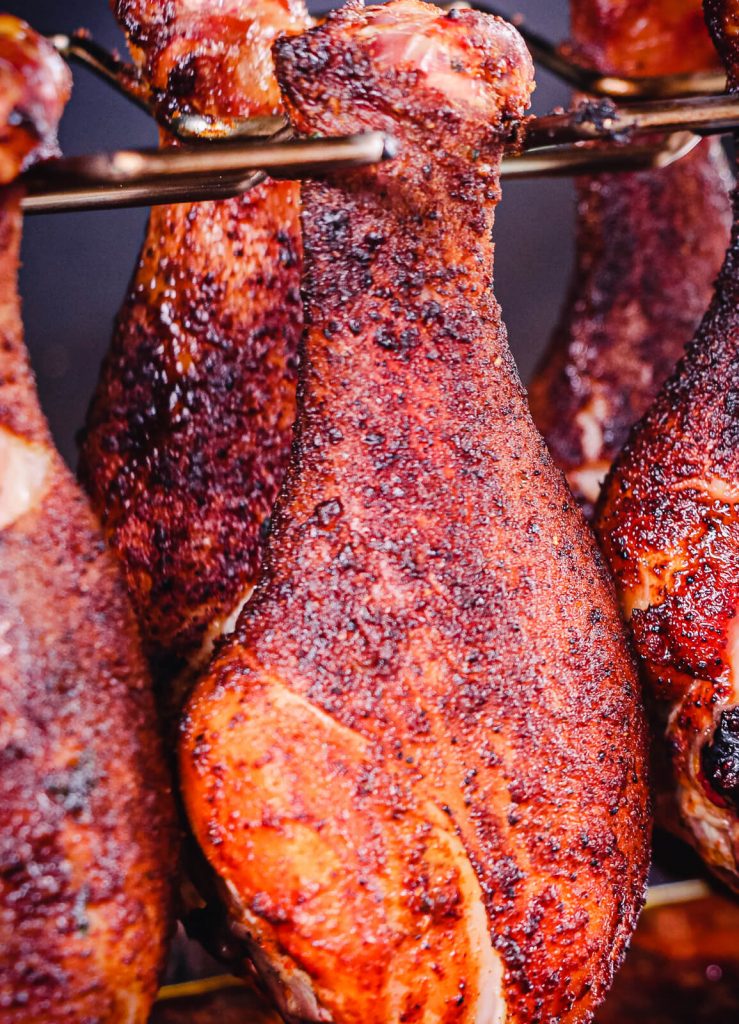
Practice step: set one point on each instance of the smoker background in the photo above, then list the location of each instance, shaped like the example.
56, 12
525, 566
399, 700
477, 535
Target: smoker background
76, 267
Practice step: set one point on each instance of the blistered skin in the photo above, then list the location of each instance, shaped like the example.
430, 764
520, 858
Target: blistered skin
189, 433
649, 247
418, 766
87, 840
669, 527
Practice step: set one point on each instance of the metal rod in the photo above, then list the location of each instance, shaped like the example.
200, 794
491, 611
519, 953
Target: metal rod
77, 199
199, 128
146, 177
705, 112
674, 893
552, 57
561, 161
667, 895
710, 115
591, 120
81, 49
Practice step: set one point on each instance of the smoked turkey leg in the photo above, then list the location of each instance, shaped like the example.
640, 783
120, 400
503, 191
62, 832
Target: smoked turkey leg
87, 839
418, 768
649, 246
669, 527
188, 436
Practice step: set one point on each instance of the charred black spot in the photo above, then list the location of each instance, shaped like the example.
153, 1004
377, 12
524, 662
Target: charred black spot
328, 511
721, 757
183, 78
731, 402
596, 113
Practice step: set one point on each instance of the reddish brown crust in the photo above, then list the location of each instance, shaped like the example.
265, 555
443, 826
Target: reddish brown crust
430, 587
189, 433
87, 840
34, 89
658, 508
642, 37
668, 525
210, 59
723, 23
649, 247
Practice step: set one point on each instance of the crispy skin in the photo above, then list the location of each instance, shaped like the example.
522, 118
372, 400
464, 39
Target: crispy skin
87, 841
427, 725
682, 968
188, 436
649, 246
669, 528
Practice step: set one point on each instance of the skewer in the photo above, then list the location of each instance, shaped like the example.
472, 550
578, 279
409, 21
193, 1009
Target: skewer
221, 171
80, 48
200, 987
666, 895
146, 177
702, 109
565, 161
602, 119
591, 120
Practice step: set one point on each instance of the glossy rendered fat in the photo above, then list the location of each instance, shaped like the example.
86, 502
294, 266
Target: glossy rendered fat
87, 841
649, 247
418, 768
668, 525
188, 436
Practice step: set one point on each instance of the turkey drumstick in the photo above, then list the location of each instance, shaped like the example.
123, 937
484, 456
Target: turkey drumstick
87, 840
418, 766
188, 436
669, 527
649, 247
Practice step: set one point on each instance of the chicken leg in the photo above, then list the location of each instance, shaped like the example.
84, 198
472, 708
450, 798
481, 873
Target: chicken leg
649, 246
418, 767
87, 837
188, 436
668, 525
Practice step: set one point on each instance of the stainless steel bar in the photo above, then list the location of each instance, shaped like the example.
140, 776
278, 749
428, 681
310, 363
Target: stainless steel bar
590, 121
77, 199
83, 50
220, 172
710, 115
194, 128
562, 161
706, 113
142, 178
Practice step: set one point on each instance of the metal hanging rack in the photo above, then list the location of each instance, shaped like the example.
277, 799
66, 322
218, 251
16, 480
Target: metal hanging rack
661, 122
